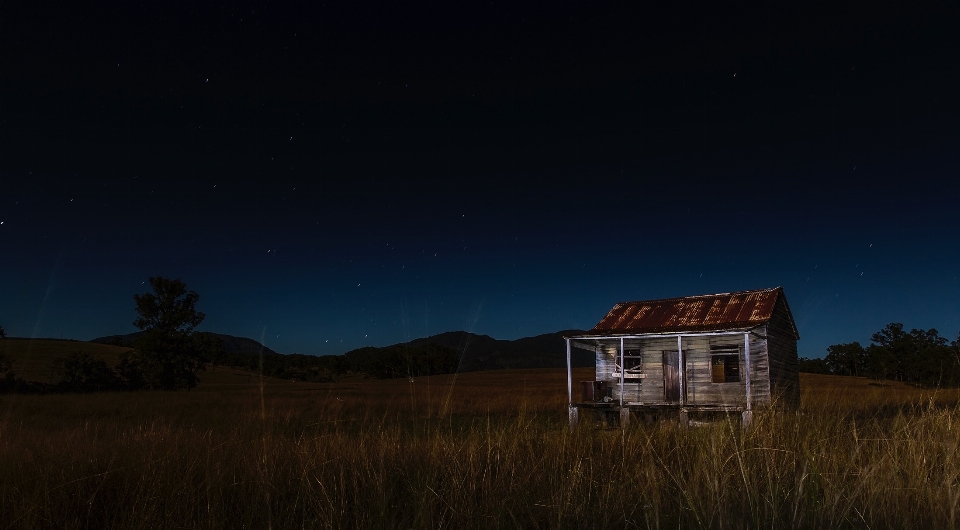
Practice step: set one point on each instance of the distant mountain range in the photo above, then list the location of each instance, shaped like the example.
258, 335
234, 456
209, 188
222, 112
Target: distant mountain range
483, 352
475, 352
233, 345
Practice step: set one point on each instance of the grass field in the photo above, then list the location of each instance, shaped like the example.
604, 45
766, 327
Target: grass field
477, 450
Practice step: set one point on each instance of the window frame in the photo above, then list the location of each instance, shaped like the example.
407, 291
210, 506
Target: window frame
732, 357
633, 359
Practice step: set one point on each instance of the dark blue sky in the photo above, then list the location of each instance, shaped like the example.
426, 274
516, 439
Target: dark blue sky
334, 177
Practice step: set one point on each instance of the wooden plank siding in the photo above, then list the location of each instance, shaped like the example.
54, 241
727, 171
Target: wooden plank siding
701, 390
784, 365
698, 383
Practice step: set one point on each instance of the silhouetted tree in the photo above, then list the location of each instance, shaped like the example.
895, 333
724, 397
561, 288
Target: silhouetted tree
955, 347
84, 373
918, 357
166, 356
933, 362
846, 359
6, 365
9, 382
3, 334
813, 366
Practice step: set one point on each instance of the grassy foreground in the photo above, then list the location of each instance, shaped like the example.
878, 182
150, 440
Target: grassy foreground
479, 450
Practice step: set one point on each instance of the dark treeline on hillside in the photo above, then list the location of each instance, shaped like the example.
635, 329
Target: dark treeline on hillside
139, 368
77, 372
168, 354
400, 360
416, 358
231, 344
454, 351
482, 352
916, 356
82, 372
448, 352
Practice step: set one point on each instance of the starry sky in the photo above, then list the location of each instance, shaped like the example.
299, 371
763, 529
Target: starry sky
334, 175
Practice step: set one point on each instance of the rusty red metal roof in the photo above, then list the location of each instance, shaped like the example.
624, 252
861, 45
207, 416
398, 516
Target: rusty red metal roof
724, 311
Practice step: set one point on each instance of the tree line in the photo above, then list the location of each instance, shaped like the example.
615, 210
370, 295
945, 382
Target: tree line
918, 357
170, 355
379, 363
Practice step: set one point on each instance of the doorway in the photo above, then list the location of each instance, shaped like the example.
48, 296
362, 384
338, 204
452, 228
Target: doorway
671, 376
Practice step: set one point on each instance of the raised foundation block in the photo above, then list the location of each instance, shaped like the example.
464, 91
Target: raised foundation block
573, 417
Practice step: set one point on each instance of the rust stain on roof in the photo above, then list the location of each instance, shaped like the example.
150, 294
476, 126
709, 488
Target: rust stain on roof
692, 313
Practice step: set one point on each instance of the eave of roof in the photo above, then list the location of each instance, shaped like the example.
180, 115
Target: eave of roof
702, 330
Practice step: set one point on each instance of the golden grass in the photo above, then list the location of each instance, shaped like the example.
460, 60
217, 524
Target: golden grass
860, 394
477, 450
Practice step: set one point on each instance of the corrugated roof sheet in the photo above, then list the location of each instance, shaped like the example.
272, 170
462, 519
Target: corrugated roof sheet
722, 311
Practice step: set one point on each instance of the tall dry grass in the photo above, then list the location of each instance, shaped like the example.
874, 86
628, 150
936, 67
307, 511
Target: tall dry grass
482, 451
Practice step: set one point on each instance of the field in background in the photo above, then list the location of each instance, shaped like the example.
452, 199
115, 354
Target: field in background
475, 450
34, 360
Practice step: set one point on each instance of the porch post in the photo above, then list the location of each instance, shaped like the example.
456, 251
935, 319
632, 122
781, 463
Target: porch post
681, 368
746, 366
572, 412
623, 368
569, 376
747, 414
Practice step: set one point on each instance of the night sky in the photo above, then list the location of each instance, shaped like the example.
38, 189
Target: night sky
330, 176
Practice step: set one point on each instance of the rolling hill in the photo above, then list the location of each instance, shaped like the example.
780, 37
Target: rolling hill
477, 352
483, 352
34, 359
233, 345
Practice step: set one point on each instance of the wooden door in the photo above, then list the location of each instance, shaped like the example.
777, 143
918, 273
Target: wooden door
671, 376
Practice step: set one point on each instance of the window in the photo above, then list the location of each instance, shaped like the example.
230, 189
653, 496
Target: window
633, 360
725, 364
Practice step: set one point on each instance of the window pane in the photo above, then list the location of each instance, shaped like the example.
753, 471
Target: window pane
717, 367
732, 368
725, 368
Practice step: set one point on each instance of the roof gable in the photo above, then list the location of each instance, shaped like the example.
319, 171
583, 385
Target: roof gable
721, 311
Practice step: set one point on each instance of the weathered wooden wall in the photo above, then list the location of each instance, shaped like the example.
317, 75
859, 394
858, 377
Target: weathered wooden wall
699, 386
701, 390
784, 366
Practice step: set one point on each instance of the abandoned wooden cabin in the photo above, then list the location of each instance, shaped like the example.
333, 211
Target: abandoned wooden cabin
718, 353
